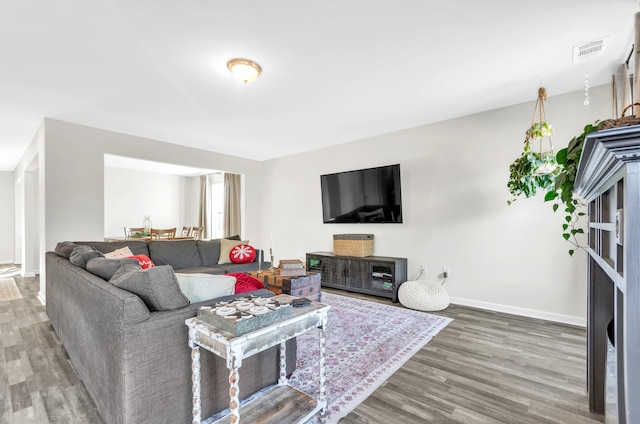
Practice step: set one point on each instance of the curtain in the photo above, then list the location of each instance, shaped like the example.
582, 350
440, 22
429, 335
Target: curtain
232, 224
203, 207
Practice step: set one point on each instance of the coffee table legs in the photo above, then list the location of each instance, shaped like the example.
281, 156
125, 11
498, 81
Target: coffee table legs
234, 389
323, 393
283, 364
195, 377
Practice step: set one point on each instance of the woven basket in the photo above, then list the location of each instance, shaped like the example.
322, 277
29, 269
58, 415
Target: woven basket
624, 121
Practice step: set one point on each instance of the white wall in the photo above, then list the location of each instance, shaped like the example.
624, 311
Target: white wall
71, 175
169, 200
30, 207
454, 176
7, 230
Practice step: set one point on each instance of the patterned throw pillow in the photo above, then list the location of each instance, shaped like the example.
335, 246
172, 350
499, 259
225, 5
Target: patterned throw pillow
242, 254
225, 248
145, 261
124, 252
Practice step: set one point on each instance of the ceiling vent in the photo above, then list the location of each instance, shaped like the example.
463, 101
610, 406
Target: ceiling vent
588, 50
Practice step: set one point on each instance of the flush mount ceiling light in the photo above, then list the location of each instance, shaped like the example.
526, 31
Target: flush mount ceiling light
244, 70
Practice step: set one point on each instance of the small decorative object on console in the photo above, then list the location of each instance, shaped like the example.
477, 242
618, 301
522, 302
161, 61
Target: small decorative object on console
358, 245
291, 268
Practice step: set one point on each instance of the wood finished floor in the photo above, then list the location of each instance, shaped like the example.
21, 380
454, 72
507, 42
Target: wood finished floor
484, 367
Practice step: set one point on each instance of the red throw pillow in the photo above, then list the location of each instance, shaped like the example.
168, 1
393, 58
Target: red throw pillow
245, 282
242, 254
145, 261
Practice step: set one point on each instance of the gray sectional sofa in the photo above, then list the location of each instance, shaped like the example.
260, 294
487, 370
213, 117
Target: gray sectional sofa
134, 360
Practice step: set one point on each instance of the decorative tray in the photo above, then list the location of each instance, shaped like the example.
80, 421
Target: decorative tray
245, 314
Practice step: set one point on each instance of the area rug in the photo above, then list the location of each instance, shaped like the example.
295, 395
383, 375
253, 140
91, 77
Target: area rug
9, 290
366, 343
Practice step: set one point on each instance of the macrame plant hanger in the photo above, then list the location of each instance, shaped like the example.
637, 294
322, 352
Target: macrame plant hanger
540, 130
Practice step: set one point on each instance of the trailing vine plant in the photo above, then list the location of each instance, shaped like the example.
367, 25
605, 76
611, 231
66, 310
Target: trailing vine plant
562, 190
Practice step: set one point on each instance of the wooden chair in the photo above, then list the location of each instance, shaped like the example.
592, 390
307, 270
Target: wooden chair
185, 232
128, 231
196, 232
163, 233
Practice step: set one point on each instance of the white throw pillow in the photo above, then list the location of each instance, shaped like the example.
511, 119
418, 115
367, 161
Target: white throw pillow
119, 253
225, 249
199, 287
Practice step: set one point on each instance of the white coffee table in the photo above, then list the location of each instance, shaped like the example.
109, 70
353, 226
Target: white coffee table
232, 348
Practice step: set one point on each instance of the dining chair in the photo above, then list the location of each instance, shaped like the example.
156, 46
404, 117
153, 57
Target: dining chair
196, 232
163, 233
129, 231
185, 231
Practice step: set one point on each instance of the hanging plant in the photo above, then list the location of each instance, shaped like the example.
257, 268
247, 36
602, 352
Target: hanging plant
534, 170
562, 189
569, 159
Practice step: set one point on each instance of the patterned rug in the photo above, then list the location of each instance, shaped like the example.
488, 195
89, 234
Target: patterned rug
9, 290
366, 343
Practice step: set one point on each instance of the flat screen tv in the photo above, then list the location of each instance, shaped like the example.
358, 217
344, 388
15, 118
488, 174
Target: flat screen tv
371, 195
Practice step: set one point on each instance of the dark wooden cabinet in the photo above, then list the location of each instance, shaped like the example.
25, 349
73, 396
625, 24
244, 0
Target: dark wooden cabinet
375, 275
609, 180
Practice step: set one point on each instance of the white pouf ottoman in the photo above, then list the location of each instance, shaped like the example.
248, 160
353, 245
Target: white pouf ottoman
423, 295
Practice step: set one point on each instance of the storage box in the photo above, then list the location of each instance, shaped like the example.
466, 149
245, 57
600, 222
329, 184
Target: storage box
358, 245
308, 285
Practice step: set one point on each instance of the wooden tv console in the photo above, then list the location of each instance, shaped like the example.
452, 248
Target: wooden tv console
375, 275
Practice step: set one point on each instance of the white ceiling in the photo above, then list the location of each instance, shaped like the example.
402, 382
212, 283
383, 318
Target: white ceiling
333, 71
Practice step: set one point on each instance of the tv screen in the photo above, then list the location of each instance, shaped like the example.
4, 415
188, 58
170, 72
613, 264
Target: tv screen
370, 195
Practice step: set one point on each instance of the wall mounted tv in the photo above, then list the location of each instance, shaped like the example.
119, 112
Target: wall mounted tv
371, 195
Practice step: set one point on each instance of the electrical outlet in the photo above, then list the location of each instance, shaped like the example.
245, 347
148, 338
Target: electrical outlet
446, 271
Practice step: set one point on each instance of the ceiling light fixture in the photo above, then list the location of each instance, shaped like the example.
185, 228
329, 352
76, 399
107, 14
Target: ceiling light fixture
244, 70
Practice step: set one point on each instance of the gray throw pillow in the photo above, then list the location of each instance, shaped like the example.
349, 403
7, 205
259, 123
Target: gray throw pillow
157, 287
80, 255
64, 248
106, 268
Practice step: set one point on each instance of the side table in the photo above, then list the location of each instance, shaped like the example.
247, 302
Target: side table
268, 406
309, 285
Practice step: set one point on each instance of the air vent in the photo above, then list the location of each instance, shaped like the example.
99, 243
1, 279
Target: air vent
588, 50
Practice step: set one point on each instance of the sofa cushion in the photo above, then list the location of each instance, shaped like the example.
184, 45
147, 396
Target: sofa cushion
123, 252
138, 247
225, 249
200, 287
209, 251
80, 255
157, 287
144, 260
177, 253
213, 270
105, 267
243, 267
242, 254
245, 282
64, 248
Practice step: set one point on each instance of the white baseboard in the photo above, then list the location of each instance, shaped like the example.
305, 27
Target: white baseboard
41, 298
532, 313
